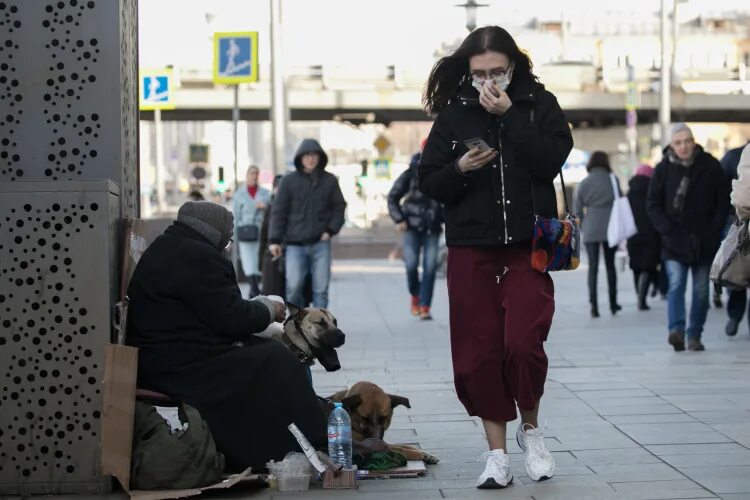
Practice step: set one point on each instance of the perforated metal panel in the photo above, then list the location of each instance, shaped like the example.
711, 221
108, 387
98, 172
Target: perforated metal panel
68, 92
68, 127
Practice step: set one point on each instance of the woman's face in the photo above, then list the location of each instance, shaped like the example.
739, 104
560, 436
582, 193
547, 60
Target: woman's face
252, 177
488, 66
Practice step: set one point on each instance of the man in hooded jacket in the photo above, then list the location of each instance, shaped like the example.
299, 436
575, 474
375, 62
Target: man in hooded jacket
307, 212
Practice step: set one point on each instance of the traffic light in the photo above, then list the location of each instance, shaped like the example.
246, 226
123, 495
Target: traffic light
221, 185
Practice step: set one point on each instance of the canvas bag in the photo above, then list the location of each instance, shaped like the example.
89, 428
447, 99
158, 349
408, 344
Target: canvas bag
163, 460
731, 266
621, 221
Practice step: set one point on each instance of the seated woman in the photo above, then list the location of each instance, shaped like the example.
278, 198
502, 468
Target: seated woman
187, 316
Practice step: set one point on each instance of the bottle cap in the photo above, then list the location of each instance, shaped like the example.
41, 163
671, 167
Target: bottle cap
338, 405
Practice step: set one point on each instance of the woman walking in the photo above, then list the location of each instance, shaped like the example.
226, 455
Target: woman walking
644, 248
500, 308
593, 204
249, 205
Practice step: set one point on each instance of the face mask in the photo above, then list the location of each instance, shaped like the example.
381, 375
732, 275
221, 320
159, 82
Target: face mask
502, 82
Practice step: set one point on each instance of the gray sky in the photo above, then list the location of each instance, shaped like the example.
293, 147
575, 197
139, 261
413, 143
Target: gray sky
370, 32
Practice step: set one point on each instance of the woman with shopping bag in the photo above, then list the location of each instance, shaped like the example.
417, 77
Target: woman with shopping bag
594, 200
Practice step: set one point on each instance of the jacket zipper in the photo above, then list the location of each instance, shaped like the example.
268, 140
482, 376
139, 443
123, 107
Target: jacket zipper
502, 180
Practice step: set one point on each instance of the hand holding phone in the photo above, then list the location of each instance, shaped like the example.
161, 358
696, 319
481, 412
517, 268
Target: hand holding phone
475, 143
478, 156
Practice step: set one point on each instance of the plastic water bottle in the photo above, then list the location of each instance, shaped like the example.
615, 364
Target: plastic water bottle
340, 437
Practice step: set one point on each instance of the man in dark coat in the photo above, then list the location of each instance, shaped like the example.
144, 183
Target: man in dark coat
737, 298
308, 211
687, 205
644, 248
420, 219
194, 332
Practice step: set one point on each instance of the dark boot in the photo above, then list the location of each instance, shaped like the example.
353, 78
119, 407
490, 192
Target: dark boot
643, 283
594, 307
614, 307
677, 340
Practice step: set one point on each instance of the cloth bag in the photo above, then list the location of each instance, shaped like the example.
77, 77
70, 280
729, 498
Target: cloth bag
556, 243
731, 266
621, 221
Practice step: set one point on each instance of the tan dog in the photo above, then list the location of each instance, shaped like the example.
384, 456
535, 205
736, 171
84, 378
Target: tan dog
371, 410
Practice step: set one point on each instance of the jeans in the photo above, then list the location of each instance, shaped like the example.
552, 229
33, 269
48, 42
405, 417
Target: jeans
302, 260
415, 242
677, 273
737, 304
592, 249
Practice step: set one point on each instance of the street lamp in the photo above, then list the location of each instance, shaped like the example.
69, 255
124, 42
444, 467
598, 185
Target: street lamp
471, 13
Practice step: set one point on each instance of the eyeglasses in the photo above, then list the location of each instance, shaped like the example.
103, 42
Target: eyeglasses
482, 76
229, 244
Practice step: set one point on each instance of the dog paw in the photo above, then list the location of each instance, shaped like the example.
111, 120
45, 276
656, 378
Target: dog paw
429, 458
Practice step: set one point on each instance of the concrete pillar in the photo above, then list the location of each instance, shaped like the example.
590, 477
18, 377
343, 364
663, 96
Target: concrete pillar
68, 174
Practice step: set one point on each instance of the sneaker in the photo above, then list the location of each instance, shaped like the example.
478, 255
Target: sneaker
415, 306
677, 340
497, 472
540, 465
696, 345
424, 313
732, 326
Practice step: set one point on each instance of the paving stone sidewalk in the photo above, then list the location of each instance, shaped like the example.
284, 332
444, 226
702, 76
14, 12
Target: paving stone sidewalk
627, 417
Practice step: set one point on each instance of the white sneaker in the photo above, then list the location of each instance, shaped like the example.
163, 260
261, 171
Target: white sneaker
540, 465
497, 472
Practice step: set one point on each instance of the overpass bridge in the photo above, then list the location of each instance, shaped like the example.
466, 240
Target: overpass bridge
387, 96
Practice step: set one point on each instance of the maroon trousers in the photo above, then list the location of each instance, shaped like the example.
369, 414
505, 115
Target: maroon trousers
500, 315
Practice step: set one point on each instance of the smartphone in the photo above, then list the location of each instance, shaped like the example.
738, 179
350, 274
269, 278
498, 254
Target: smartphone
477, 142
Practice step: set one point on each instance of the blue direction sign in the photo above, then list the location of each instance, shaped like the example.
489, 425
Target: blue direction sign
236, 57
156, 90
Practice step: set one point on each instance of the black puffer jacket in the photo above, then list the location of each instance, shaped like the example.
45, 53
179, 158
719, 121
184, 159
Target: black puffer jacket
307, 205
644, 248
406, 203
693, 234
493, 205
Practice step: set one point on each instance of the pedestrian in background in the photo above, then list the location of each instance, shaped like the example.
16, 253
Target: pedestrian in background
307, 212
593, 204
737, 302
500, 307
687, 205
420, 219
249, 206
644, 248
271, 268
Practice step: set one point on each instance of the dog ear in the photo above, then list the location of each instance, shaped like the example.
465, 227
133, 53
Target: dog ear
399, 400
351, 402
295, 310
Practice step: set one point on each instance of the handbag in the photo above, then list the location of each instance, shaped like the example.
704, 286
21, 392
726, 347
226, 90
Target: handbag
731, 266
556, 243
249, 232
621, 224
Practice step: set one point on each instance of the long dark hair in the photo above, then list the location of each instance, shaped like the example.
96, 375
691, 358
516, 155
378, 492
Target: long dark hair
598, 159
453, 70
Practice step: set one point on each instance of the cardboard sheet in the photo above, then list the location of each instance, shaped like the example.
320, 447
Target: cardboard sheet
413, 468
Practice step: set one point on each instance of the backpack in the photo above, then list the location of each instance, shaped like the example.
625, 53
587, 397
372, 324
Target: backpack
163, 460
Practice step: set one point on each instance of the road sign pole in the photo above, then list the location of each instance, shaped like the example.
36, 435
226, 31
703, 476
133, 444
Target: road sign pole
279, 111
666, 85
235, 123
159, 180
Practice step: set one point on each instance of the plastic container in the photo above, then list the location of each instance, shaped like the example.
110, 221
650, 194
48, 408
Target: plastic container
293, 483
340, 437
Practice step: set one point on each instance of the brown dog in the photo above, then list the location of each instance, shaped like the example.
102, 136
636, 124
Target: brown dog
371, 410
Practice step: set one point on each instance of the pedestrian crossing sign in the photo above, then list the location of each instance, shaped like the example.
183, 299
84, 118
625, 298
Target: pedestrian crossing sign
156, 89
236, 57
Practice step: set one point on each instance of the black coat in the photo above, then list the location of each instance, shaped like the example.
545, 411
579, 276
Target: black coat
493, 205
693, 235
186, 316
406, 203
307, 205
644, 248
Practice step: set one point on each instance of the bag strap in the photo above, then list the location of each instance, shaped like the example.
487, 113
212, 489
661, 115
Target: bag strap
562, 182
615, 187
565, 194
